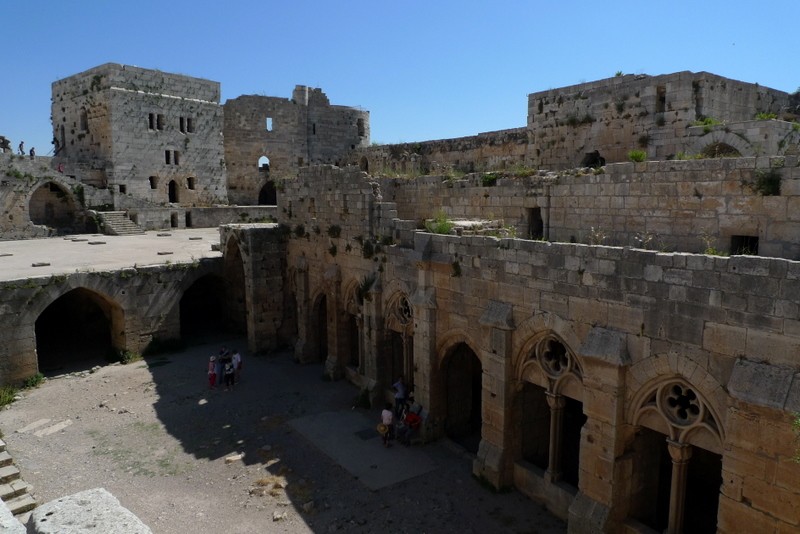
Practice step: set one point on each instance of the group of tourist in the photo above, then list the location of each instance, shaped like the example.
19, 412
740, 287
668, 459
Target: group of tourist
401, 420
224, 369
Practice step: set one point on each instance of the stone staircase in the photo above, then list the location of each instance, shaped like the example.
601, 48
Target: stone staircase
118, 223
14, 492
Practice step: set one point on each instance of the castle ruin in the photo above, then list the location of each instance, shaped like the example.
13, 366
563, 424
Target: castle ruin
617, 340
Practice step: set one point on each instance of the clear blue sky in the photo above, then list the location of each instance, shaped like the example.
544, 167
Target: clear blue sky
424, 69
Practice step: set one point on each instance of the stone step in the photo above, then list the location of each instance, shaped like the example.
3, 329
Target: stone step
13, 489
5, 459
21, 504
8, 473
118, 223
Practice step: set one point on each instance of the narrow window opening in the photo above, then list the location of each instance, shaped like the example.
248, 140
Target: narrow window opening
661, 99
744, 245
176, 156
361, 129
167, 157
263, 164
151, 121
182, 124
269, 124
159, 122
123, 188
153, 182
314, 128
190, 125
190, 182
84, 120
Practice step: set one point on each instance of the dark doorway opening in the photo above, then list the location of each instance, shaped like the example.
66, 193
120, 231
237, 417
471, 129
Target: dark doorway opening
353, 359
593, 159
703, 483
535, 426
535, 223
574, 419
202, 309
74, 332
463, 387
268, 196
651, 480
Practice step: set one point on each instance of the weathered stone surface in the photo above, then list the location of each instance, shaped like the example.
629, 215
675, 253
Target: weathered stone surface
760, 383
606, 345
8, 523
94, 510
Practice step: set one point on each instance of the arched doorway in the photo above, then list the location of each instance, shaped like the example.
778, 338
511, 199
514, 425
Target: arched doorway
363, 164
463, 389
202, 308
173, 191
51, 205
268, 196
75, 331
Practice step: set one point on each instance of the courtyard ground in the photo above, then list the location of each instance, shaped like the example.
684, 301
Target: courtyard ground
168, 448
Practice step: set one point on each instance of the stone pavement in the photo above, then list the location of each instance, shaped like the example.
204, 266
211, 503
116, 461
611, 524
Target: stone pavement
63, 255
351, 439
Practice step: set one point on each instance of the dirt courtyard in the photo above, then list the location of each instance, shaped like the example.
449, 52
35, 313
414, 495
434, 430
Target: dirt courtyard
154, 435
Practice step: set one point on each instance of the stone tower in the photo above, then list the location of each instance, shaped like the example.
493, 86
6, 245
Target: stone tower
150, 137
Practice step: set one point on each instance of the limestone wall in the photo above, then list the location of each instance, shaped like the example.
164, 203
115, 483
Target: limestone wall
290, 133
652, 113
672, 205
486, 151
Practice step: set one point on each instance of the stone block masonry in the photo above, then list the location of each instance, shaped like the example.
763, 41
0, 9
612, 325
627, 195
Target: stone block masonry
150, 136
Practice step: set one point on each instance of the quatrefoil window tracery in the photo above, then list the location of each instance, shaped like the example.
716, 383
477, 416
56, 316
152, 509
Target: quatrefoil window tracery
680, 404
553, 357
404, 311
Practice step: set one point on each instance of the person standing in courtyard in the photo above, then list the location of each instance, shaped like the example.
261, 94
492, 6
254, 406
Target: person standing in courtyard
212, 372
236, 360
387, 420
400, 395
229, 375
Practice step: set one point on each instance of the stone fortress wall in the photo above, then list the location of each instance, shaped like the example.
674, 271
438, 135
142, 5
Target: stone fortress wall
652, 113
634, 325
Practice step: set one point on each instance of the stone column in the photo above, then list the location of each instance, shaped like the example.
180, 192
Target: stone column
333, 364
494, 462
426, 373
303, 347
556, 403
680, 454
